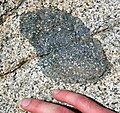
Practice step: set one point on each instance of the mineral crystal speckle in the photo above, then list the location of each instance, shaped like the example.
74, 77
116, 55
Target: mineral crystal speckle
48, 29
63, 44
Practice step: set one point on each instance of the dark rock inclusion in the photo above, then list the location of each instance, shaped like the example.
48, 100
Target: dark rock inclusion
64, 46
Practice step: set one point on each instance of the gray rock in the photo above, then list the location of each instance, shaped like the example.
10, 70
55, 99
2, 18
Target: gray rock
82, 61
63, 44
48, 29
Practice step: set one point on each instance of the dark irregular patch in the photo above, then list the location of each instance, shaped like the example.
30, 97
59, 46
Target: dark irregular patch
63, 44
48, 29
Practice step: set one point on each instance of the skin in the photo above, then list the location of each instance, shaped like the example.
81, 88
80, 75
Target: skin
80, 102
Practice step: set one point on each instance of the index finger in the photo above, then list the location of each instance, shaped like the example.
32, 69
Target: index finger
81, 102
39, 106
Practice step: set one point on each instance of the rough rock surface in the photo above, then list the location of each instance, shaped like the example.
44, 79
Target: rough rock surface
64, 45
49, 28
8, 7
20, 70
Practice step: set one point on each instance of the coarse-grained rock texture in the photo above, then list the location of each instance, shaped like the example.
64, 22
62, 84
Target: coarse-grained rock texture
50, 28
21, 71
7, 7
64, 45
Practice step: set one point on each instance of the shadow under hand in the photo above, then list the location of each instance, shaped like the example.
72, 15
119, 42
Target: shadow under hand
70, 108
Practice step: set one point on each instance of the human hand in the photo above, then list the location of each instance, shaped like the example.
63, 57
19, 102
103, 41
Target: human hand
80, 102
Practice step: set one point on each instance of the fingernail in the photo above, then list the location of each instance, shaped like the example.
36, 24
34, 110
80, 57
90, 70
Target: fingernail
25, 102
55, 92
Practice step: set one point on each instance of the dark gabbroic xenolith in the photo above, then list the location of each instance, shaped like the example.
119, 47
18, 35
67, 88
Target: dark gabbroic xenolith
63, 44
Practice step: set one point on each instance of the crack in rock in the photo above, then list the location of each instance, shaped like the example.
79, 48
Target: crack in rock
13, 69
108, 27
64, 45
8, 8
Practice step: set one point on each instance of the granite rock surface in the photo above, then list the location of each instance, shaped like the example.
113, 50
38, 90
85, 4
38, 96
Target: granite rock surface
21, 75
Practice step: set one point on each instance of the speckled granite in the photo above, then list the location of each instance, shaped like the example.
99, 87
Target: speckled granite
20, 73
7, 8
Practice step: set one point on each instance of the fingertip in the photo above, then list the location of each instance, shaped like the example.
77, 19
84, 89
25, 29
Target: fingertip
25, 102
39, 106
31, 105
79, 101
